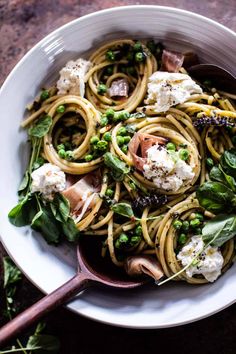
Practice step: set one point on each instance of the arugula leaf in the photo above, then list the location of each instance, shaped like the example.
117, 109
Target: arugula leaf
70, 230
41, 127
11, 273
43, 343
218, 174
60, 207
23, 213
228, 162
117, 167
216, 197
45, 222
219, 230
123, 209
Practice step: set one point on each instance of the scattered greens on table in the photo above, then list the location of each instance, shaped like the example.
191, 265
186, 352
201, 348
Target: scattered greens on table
51, 218
37, 342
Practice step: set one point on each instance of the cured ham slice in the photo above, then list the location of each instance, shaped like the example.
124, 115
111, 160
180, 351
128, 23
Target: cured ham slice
171, 61
143, 264
81, 191
144, 142
119, 88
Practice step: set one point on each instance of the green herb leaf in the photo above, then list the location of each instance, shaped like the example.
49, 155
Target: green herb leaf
41, 128
228, 162
138, 115
43, 343
117, 167
70, 230
60, 207
218, 174
23, 213
216, 197
24, 182
11, 273
219, 230
123, 209
45, 222
131, 128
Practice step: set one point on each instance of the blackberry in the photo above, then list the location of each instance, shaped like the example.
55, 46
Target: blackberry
155, 200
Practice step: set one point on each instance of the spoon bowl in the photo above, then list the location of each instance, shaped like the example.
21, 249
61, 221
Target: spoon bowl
92, 269
220, 78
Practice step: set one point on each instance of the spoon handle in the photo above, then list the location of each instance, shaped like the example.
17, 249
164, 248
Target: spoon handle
42, 307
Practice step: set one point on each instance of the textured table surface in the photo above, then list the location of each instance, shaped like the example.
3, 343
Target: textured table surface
22, 24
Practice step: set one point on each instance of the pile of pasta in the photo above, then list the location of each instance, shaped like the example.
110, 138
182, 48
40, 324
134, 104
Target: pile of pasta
81, 120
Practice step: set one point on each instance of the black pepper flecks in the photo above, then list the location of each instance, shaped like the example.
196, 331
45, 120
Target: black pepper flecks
155, 200
214, 120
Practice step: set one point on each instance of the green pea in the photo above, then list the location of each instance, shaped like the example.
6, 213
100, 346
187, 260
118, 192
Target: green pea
121, 241
109, 192
102, 145
127, 139
110, 113
122, 131
101, 89
182, 239
198, 231
195, 223
60, 147
177, 224
120, 140
44, 95
110, 55
94, 140
123, 115
61, 109
88, 157
124, 149
185, 225
199, 216
183, 154
134, 241
104, 121
171, 146
69, 155
62, 153
209, 162
107, 136
139, 57
138, 230
137, 46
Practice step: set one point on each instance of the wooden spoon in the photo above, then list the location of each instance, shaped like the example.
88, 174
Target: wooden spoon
92, 269
221, 79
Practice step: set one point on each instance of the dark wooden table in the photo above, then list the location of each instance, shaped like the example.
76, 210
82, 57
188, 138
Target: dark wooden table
22, 24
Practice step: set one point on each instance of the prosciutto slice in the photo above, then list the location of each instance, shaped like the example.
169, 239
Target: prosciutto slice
81, 191
171, 61
144, 142
143, 264
119, 88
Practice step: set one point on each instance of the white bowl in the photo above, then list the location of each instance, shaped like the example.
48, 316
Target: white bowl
49, 267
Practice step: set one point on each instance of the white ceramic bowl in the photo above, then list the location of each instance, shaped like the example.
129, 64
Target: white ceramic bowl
49, 267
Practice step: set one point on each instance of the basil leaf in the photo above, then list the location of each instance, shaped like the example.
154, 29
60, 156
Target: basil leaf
228, 162
60, 207
24, 182
11, 273
23, 213
45, 222
70, 230
117, 167
41, 128
43, 343
218, 174
219, 230
123, 209
216, 197
38, 163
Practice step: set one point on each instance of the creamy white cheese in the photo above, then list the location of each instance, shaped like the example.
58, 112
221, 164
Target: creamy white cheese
210, 261
168, 89
72, 77
48, 179
166, 169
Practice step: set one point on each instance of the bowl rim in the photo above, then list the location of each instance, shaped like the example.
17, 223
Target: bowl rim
12, 73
